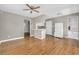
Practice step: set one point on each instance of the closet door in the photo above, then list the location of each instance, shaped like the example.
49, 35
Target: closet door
58, 30
73, 31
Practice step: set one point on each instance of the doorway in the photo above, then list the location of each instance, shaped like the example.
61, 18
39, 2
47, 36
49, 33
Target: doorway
26, 28
58, 30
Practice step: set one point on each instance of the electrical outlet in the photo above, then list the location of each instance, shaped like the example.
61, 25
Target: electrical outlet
8, 36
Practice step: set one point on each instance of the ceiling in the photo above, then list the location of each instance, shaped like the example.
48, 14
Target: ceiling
47, 9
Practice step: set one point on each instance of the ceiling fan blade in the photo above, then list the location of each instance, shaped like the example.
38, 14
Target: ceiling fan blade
26, 9
36, 7
28, 6
36, 11
32, 8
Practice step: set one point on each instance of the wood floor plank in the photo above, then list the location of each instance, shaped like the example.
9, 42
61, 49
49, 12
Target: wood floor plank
33, 46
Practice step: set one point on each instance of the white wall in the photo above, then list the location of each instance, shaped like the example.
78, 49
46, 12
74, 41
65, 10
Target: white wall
49, 27
11, 26
73, 23
65, 21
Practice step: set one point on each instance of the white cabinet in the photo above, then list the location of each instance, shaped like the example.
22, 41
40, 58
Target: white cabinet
36, 32
40, 33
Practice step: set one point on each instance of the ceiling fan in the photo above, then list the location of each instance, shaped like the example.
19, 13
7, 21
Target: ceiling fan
32, 8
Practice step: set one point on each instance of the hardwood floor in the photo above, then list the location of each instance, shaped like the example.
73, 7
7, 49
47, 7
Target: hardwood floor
48, 46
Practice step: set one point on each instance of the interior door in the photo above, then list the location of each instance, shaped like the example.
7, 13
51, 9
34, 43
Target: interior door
58, 30
73, 23
49, 27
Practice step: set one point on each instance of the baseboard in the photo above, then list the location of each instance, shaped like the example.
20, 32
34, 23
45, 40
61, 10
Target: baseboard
49, 35
62, 37
2, 41
70, 38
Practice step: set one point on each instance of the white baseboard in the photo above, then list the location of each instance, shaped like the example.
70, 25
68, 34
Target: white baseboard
71, 38
2, 41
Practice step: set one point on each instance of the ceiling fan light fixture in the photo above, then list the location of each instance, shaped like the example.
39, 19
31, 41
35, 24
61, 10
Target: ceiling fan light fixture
32, 8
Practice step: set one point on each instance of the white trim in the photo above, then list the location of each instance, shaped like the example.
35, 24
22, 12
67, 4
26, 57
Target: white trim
71, 38
10, 39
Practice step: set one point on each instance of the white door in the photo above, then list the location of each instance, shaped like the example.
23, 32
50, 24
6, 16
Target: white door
73, 23
49, 27
58, 30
